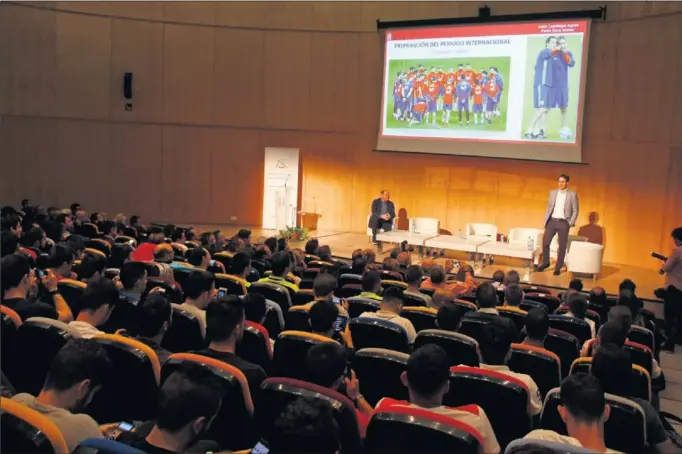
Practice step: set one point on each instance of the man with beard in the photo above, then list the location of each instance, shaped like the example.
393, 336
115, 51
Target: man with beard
76, 374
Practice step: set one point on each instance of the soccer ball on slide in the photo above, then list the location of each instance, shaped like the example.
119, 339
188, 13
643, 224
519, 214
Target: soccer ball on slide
565, 133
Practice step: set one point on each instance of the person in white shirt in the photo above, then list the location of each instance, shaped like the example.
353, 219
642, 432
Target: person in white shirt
577, 307
494, 345
427, 381
96, 304
560, 216
391, 305
199, 288
584, 410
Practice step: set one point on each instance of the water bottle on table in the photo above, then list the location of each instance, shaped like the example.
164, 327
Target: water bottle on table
531, 244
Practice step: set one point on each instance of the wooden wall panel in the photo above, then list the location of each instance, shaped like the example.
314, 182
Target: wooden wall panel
83, 66
287, 88
240, 81
188, 66
29, 75
209, 99
137, 47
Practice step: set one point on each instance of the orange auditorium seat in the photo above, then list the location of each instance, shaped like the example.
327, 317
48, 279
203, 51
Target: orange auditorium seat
565, 346
297, 319
290, 353
421, 317
503, 398
543, 366
130, 391
377, 333
640, 382
461, 349
379, 372
184, 333
233, 427
25, 430
277, 393
400, 429
255, 346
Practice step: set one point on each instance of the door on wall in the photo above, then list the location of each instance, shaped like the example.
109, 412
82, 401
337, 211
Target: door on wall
280, 191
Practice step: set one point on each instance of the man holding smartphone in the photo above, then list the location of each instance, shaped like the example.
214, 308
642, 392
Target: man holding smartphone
20, 285
672, 301
326, 320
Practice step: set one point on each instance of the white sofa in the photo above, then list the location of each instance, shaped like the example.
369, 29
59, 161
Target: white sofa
369, 231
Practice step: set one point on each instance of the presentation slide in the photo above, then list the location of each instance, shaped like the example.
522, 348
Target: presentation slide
507, 90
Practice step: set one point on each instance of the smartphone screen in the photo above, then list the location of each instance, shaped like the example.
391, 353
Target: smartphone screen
40, 273
260, 448
337, 300
125, 426
222, 292
340, 323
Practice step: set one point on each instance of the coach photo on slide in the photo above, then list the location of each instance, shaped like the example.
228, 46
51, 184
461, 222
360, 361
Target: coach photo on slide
562, 212
383, 213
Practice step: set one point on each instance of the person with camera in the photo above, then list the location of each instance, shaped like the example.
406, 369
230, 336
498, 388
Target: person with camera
672, 293
20, 285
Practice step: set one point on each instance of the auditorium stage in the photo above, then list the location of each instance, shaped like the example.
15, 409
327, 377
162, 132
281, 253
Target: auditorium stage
344, 243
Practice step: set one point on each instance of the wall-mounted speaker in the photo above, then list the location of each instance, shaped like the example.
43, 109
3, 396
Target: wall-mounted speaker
128, 85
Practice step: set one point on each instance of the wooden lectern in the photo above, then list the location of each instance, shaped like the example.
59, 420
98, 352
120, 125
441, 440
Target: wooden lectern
309, 220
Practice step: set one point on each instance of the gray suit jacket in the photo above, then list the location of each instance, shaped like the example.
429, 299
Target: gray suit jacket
570, 207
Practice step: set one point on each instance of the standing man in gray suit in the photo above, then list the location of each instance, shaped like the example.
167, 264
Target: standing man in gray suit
562, 212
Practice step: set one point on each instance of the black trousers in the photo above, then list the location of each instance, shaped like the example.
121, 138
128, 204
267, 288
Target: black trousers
672, 313
376, 224
555, 227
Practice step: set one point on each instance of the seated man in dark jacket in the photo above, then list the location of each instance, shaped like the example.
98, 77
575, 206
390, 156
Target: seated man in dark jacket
486, 297
383, 213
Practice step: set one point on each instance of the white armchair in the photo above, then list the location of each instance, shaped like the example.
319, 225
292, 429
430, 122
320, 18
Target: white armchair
585, 258
369, 231
424, 226
478, 230
520, 236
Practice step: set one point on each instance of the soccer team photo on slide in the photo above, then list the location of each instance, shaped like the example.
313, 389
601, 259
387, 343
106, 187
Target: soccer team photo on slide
552, 87
433, 93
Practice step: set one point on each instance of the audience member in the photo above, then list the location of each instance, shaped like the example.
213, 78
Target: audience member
98, 300
271, 243
76, 374
133, 276
391, 305
370, 258
598, 297
34, 239
282, 245
61, 261
324, 286
306, 425
427, 265
322, 318
628, 299
189, 401
498, 280
584, 410
10, 243
281, 267
513, 295
464, 280
356, 254
537, 327
311, 246
371, 285
486, 296
77, 245
404, 260
427, 379
154, 319
413, 277
327, 365
199, 288
164, 253
240, 267
91, 267
225, 327
449, 317
19, 283
325, 253
627, 284
442, 297
576, 285
108, 231
207, 240
358, 266
512, 277
577, 307
121, 253
145, 252
199, 257
494, 344
613, 367
178, 235
255, 308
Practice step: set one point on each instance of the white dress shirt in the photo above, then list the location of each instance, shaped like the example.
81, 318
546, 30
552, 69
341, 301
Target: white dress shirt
559, 204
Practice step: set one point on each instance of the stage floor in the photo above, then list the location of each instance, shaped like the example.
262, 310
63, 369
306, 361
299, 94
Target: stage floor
344, 243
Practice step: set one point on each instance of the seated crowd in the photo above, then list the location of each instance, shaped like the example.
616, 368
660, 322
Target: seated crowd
245, 303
